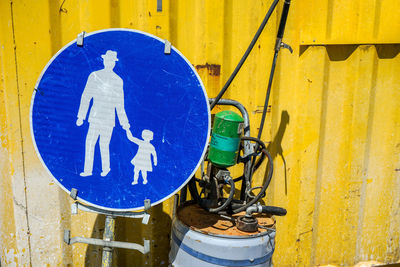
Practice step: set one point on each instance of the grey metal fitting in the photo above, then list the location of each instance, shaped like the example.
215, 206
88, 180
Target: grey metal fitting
253, 209
147, 204
74, 193
227, 179
222, 174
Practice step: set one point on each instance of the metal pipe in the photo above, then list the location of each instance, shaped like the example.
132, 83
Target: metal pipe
240, 107
253, 209
265, 209
99, 242
108, 235
176, 204
115, 244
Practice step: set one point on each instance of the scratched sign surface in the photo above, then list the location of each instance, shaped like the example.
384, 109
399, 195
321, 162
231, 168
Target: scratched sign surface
119, 120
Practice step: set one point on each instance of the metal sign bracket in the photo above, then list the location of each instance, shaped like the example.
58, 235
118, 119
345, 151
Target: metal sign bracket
79, 39
167, 47
108, 242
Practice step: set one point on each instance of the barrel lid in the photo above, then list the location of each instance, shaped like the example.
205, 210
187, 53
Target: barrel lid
229, 115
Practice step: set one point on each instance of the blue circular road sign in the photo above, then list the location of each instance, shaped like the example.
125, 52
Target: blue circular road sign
119, 120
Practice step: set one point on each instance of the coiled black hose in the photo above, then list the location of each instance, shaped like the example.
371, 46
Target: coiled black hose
242, 207
265, 186
228, 201
196, 197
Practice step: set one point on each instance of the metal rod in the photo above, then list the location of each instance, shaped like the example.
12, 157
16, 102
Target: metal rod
271, 77
128, 214
109, 232
114, 244
176, 204
279, 37
246, 54
99, 242
240, 107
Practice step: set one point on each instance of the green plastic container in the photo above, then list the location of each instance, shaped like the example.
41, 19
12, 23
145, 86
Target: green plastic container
225, 138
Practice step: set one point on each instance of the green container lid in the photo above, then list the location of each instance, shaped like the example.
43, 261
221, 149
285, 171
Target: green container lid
229, 116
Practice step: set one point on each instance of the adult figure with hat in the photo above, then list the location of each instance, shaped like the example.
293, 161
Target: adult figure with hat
105, 87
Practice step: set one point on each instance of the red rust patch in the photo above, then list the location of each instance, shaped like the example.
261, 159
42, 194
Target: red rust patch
213, 69
208, 223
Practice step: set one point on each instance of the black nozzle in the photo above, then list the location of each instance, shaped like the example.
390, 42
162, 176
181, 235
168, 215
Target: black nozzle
274, 210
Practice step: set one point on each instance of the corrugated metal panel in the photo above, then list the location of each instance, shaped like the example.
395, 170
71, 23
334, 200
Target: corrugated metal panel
342, 157
333, 129
350, 22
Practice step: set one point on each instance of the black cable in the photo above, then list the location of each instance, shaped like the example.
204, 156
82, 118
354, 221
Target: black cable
265, 186
242, 207
193, 190
246, 54
271, 77
196, 197
261, 159
228, 201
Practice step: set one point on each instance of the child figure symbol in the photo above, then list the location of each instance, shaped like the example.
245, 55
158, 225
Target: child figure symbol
142, 160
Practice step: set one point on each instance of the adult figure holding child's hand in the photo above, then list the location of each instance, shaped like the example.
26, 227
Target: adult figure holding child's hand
105, 88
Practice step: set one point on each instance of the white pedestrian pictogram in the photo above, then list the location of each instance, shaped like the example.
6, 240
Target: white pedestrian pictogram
105, 88
142, 160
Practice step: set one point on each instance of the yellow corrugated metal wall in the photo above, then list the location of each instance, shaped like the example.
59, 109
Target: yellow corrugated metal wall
333, 128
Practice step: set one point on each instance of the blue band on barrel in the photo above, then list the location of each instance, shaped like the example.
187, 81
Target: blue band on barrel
224, 143
219, 261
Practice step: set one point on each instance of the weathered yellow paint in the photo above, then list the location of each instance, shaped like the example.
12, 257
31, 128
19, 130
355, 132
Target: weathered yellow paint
333, 129
350, 22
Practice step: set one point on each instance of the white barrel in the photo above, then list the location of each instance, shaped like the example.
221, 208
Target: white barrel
192, 248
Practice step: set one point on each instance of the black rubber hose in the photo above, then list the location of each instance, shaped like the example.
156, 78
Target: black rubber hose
265, 186
248, 138
261, 143
246, 54
228, 201
274, 210
196, 197
246, 182
282, 24
193, 190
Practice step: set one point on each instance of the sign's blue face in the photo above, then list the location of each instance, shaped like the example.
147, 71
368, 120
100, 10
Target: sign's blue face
119, 120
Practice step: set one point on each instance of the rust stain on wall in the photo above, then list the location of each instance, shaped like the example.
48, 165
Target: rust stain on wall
213, 69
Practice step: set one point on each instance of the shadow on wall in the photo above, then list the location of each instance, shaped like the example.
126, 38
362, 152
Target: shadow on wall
343, 52
275, 147
132, 230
